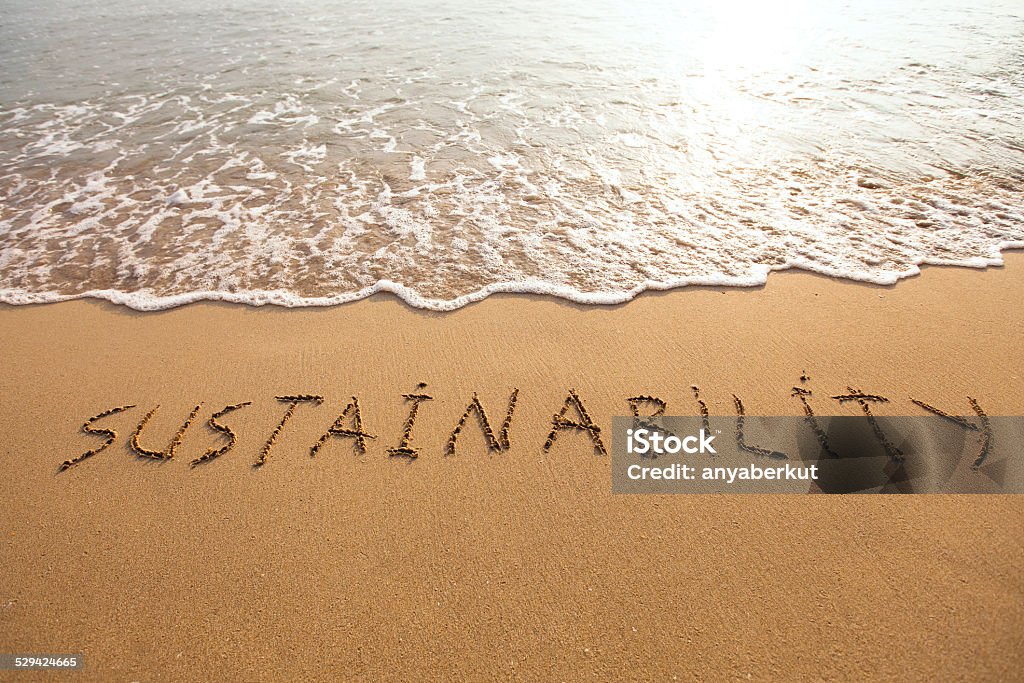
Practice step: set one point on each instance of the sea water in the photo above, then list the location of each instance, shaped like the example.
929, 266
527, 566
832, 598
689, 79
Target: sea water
307, 152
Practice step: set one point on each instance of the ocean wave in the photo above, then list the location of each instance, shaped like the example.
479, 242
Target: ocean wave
667, 147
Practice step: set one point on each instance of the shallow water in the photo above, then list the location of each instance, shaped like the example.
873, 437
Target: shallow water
300, 153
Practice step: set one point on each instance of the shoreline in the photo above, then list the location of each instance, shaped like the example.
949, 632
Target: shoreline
518, 564
144, 302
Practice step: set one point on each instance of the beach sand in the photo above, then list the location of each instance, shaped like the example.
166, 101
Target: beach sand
517, 565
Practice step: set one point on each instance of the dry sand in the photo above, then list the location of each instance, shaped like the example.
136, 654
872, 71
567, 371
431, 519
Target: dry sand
518, 565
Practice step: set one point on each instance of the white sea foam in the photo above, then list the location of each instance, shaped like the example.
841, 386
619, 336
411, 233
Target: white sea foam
417, 169
145, 300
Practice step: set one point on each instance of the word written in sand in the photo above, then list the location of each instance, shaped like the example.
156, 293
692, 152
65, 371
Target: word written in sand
572, 417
